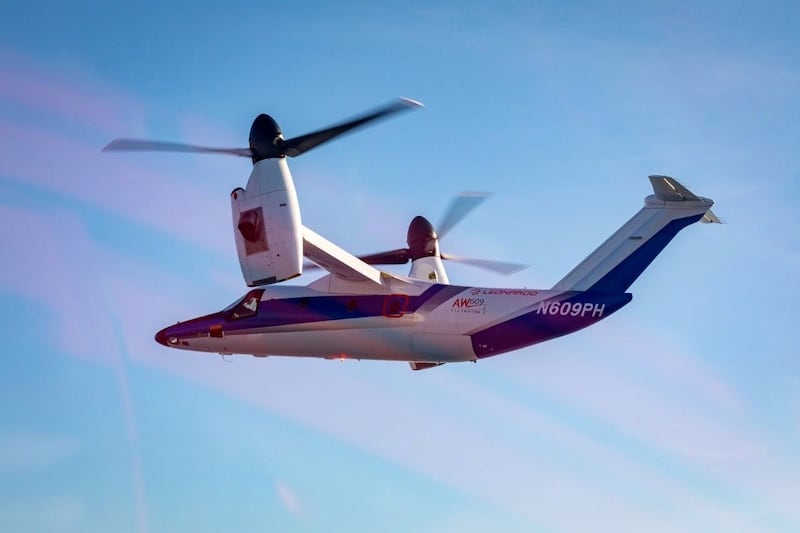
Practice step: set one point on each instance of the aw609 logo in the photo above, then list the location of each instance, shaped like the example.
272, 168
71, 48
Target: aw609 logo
468, 305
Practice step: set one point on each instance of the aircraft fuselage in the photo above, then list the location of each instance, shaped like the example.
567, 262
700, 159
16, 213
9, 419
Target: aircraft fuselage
442, 323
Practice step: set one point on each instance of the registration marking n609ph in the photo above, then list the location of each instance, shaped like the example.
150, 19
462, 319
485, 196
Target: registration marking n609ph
570, 309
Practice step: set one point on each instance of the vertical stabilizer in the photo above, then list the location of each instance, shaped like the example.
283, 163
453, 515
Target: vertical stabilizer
616, 264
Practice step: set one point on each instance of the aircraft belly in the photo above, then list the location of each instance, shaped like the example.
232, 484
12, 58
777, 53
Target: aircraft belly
392, 344
436, 348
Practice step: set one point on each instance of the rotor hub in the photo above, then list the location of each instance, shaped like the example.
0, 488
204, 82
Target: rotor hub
266, 138
422, 239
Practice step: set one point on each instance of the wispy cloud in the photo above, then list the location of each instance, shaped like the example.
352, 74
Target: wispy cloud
47, 513
78, 171
28, 85
56, 246
289, 499
446, 444
655, 399
612, 391
641, 436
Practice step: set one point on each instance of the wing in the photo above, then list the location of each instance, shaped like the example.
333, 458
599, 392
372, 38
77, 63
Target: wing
336, 260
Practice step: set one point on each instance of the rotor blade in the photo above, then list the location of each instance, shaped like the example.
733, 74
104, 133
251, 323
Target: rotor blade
459, 208
500, 267
299, 145
143, 145
400, 256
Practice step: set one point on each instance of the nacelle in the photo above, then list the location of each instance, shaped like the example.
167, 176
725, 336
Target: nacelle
266, 225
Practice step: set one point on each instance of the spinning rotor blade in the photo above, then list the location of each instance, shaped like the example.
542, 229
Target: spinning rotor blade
141, 145
423, 240
266, 138
500, 267
459, 208
299, 145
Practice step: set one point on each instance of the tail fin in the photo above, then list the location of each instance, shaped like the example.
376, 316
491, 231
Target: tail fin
616, 264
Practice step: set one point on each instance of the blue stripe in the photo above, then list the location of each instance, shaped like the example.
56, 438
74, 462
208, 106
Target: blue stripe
303, 310
310, 309
535, 327
626, 272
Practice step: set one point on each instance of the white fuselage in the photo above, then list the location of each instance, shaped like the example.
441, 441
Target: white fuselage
440, 323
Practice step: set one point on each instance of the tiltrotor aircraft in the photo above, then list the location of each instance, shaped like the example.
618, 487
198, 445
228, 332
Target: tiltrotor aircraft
357, 311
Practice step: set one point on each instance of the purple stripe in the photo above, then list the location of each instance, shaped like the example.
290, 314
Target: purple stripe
625, 273
311, 309
548, 322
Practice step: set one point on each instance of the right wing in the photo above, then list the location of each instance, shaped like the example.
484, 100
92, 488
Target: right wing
337, 260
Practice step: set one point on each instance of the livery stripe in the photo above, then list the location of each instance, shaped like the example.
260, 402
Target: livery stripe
311, 309
534, 327
629, 269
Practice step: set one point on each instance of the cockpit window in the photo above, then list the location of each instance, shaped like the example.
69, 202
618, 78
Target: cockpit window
247, 306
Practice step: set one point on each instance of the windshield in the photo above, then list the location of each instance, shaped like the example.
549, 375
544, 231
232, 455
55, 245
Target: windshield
246, 306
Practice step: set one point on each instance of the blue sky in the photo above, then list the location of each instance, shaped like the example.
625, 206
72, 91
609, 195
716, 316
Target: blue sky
680, 413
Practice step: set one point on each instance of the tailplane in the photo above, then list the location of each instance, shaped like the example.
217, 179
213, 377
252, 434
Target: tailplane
616, 264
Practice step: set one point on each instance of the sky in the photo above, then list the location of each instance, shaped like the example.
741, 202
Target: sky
679, 413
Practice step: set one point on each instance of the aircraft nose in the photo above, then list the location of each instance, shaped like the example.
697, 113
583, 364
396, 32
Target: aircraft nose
161, 337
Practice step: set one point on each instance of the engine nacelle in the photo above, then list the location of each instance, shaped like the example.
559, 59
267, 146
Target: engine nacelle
266, 225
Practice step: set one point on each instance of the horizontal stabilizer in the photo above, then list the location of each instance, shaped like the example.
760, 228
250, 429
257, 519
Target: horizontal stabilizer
669, 189
621, 259
711, 218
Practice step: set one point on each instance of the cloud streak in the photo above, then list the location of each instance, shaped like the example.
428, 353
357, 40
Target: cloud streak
289, 499
30, 87
55, 246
